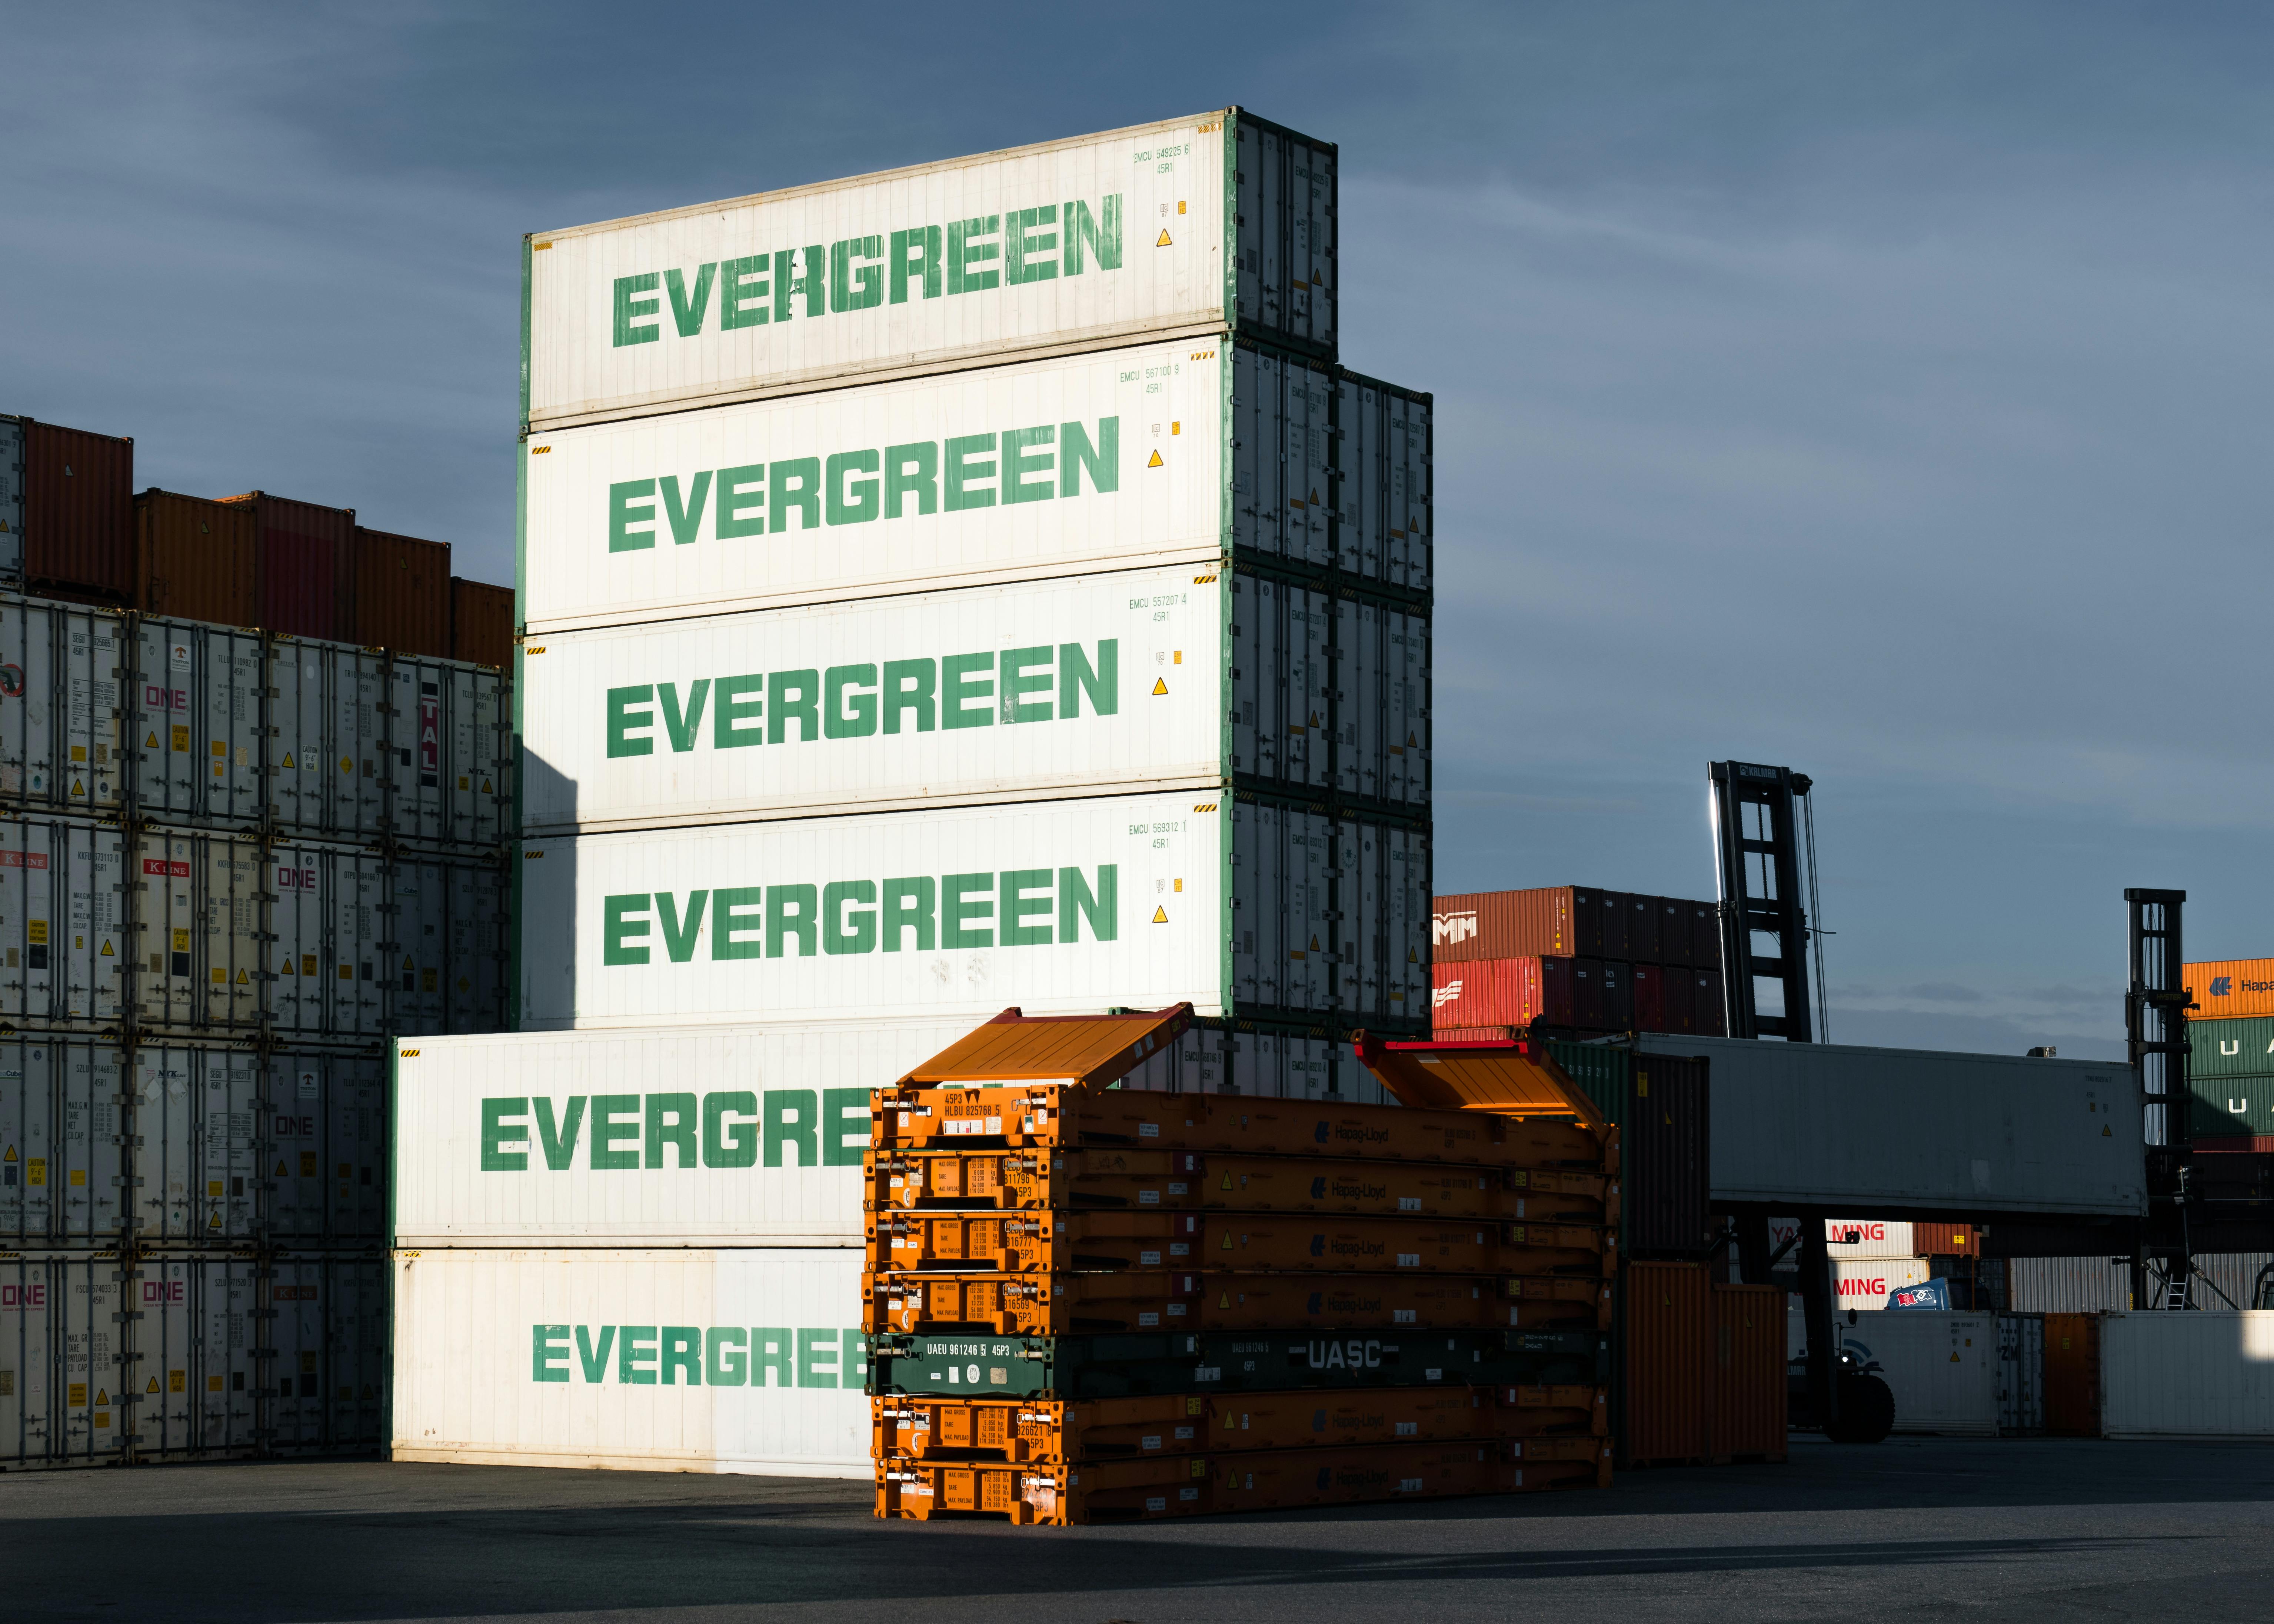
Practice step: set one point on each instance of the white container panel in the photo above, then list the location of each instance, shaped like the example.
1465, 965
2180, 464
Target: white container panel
1118, 901
326, 921
205, 960
1284, 481
1043, 689
197, 1336
1871, 1238
328, 740
62, 1172
419, 935
198, 731
2020, 1374
1941, 1368
734, 1361
444, 753
198, 1114
1120, 464
2192, 1374
62, 924
759, 1132
1074, 244
62, 682
30, 1433
1869, 1284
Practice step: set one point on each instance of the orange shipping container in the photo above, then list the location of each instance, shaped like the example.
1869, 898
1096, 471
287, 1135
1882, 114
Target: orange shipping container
193, 558
1556, 922
1670, 1376
1749, 1419
2229, 987
2072, 1375
1946, 1240
402, 593
481, 623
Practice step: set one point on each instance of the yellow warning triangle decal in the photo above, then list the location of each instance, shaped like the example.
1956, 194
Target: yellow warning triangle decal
107, 953
2105, 1134
1160, 916
1227, 1239
152, 1387
10, 1156
213, 1223
1410, 958
485, 786
1226, 1186
1411, 740
1165, 242
407, 964
288, 963
102, 1394
280, 1167
152, 742
287, 759
1954, 1356
1160, 685
1315, 496
1155, 462
243, 980
1224, 1301
78, 788
1315, 719
1314, 944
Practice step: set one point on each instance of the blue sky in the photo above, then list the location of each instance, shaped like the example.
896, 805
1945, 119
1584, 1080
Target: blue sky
1879, 390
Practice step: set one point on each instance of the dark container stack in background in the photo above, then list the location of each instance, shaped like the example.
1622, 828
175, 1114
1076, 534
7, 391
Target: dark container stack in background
252, 827
1578, 959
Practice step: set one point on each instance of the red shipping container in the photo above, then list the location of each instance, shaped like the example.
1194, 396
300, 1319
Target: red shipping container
1616, 908
1749, 1397
305, 556
1618, 996
402, 593
1945, 1240
193, 560
1643, 934
1587, 1002
1556, 922
1671, 1379
1650, 984
1709, 1014
481, 623
79, 513
1673, 932
1502, 992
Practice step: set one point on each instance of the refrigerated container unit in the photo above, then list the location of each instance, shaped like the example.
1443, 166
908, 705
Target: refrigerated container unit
1189, 228
12, 501
1243, 908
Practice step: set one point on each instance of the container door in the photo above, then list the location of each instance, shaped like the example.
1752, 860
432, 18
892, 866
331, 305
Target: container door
474, 959
11, 544
228, 1337
164, 1367
296, 1400
30, 1424
168, 982
301, 775
419, 927
231, 965
418, 805
1408, 995
298, 880
93, 1199
1411, 495
227, 1180
29, 702
1311, 839
89, 777
169, 1139
95, 1423
27, 1143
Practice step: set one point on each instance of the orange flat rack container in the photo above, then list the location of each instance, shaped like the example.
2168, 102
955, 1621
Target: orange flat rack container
1014, 1050
1515, 1076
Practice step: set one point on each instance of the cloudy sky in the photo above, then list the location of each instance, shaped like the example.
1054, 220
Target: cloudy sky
1873, 390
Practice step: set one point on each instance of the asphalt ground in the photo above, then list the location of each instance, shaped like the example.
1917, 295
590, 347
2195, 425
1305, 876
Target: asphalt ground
1910, 1529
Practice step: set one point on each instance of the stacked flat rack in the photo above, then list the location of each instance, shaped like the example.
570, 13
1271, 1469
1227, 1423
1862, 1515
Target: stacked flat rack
1086, 1303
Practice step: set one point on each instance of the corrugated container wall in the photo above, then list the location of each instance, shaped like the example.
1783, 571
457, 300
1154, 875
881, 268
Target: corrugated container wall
306, 560
1191, 227
2073, 1377
1666, 1158
747, 1360
1669, 1369
2187, 1375
11, 500
195, 560
78, 512
2226, 988
402, 593
1749, 1419
1055, 467
481, 623
64, 689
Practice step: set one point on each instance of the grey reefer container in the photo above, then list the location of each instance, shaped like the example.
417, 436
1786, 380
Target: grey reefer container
207, 1358
1330, 692
62, 924
182, 1145
12, 499
65, 673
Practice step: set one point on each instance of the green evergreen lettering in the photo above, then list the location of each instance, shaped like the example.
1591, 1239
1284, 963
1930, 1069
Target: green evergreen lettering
957, 904
1101, 460
619, 928
742, 293
630, 310
682, 725
685, 312
559, 1139
854, 503
844, 932
1077, 902
790, 913
1013, 906
727, 1357
1021, 243
622, 516
909, 685
635, 1347
817, 1358
1100, 232
624, 721
549, 1353
683, 1352
956, 689
813, 284
805, 495
843, 1126
608, 1131
790, 1122
907, 905
728, 732
912, 471
670, 1123
679, 936
505, 1122
964, 251
730, 1144
1102, 682
686, 520
915, 257
735, 915
740, 491
849, 289
1015, 684
1017, 464
962, 471
595, 1360
770, 1357
848, 707
793, 697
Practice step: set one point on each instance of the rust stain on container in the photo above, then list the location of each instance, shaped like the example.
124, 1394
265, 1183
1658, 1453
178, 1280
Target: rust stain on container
194, 558
481, 623
79, 513
402, 593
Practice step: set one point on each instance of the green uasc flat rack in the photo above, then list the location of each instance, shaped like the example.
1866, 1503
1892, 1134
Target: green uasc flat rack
1126, 1365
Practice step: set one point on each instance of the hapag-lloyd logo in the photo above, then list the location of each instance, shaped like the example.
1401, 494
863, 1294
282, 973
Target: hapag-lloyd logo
1439, 997
1447, 929
2222, 986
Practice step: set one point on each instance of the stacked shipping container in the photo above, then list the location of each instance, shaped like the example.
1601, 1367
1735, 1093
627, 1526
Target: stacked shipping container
968, 586
2231, 1056
1578, 959
232, 864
